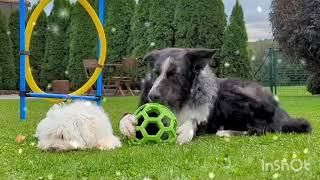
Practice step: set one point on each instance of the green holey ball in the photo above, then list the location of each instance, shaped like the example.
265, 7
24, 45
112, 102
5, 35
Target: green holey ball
155, 124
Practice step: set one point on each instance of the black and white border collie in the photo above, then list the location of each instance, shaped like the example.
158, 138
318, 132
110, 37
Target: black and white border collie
204, 104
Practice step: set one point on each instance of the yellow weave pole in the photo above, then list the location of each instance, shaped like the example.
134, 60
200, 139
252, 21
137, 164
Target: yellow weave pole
103, 48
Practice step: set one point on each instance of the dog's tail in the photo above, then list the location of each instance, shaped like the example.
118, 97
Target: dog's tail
299, 125
286, 124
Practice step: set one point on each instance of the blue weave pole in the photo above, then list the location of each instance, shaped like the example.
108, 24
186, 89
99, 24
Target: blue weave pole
100, 79
63, 96
23, 108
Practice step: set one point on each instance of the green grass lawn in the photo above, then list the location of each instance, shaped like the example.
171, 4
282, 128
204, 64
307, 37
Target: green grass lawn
204, 158
292, 91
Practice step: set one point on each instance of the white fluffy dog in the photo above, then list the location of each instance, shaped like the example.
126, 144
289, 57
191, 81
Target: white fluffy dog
79, 125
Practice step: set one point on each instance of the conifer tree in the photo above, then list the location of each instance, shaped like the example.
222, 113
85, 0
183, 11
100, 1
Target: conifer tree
37, 46
14, 36
234, 54
57, 44
138, 40
237, 16
83, 44
7, 77
118, 27
200, 23
160, 33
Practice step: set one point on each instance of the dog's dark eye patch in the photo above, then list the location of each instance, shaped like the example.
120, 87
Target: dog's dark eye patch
170, 74
156, 72
172, 70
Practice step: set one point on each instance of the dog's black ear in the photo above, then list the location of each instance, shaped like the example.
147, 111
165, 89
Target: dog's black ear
151, 58
199, 58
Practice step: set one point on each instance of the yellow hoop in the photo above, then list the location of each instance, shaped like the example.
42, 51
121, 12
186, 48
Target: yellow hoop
103, 48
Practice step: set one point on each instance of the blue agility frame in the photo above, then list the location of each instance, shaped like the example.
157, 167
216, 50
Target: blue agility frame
23, 93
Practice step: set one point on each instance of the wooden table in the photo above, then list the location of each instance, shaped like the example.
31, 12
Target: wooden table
118, 80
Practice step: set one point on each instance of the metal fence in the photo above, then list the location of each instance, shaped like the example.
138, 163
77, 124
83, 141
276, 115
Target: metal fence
284, 77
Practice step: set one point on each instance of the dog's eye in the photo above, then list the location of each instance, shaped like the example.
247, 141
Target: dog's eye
156, 72
170, 74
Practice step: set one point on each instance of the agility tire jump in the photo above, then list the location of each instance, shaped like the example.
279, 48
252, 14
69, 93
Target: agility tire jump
103, 52
25, 70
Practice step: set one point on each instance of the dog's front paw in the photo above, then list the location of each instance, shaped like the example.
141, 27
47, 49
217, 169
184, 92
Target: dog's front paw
223, 133
108, 143
229, 133
128, 126
185, 133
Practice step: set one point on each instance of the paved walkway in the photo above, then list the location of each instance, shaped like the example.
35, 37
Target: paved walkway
9, 97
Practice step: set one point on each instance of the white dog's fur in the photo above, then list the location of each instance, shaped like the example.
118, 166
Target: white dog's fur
79, 125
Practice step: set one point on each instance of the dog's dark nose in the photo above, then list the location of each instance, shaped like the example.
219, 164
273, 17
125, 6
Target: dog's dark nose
154, 96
